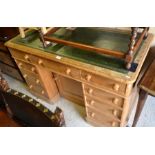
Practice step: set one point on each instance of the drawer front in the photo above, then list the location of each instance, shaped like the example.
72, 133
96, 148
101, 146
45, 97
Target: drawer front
32, 78
10, 71
103, 96
37, 89
21, 55
104, 83
59, 68
103, 108
26, 66
100, 118
6, 58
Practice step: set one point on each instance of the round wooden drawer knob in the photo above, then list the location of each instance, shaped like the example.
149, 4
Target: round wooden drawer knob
25, 76
92, 102
88, 77
68, 71
20, 65
26, 57
37, 81
16, 93
30, 86
116, 87
92, 114
90, 91
40, 62
115, 100
42, 92
33, 69
115, 112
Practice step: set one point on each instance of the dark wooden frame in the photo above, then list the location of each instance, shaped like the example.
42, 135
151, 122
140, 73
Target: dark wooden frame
127, 57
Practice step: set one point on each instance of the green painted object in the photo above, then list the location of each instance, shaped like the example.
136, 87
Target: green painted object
91, 36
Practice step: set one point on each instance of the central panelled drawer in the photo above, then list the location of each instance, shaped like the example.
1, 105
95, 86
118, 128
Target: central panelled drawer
103, 96
62, 69
104, 83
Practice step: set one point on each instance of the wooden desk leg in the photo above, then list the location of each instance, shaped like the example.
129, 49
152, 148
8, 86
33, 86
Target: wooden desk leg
141, 101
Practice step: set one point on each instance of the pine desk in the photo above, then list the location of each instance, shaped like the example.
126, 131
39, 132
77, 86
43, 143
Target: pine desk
99, 83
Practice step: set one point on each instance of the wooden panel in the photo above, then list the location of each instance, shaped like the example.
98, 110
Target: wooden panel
103, 108
97, 124
5, 58
104, 83
10, 71
101, 118
103, 96
100, 124
49, 83
148, 81
2, 47
70, 89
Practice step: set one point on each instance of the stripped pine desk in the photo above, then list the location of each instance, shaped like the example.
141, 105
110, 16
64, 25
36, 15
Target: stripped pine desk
98, 83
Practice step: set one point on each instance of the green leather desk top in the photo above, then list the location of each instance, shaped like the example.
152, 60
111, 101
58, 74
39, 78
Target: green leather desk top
95, 37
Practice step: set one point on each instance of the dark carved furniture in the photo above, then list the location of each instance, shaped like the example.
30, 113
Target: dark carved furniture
29, 110
147, 87
7, 64
134, 44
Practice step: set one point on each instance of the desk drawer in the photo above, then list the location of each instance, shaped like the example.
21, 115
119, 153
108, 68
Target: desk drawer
56, 67
101, 118
104, 83
103, 96
38, 90
27, 66
10, 71
6, 58
32, 78
108, 110
21, 55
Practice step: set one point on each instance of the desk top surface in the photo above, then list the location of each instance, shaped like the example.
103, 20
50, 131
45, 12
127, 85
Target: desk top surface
117, 40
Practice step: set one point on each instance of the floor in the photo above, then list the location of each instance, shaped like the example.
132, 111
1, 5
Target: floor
5, 120
75, 114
